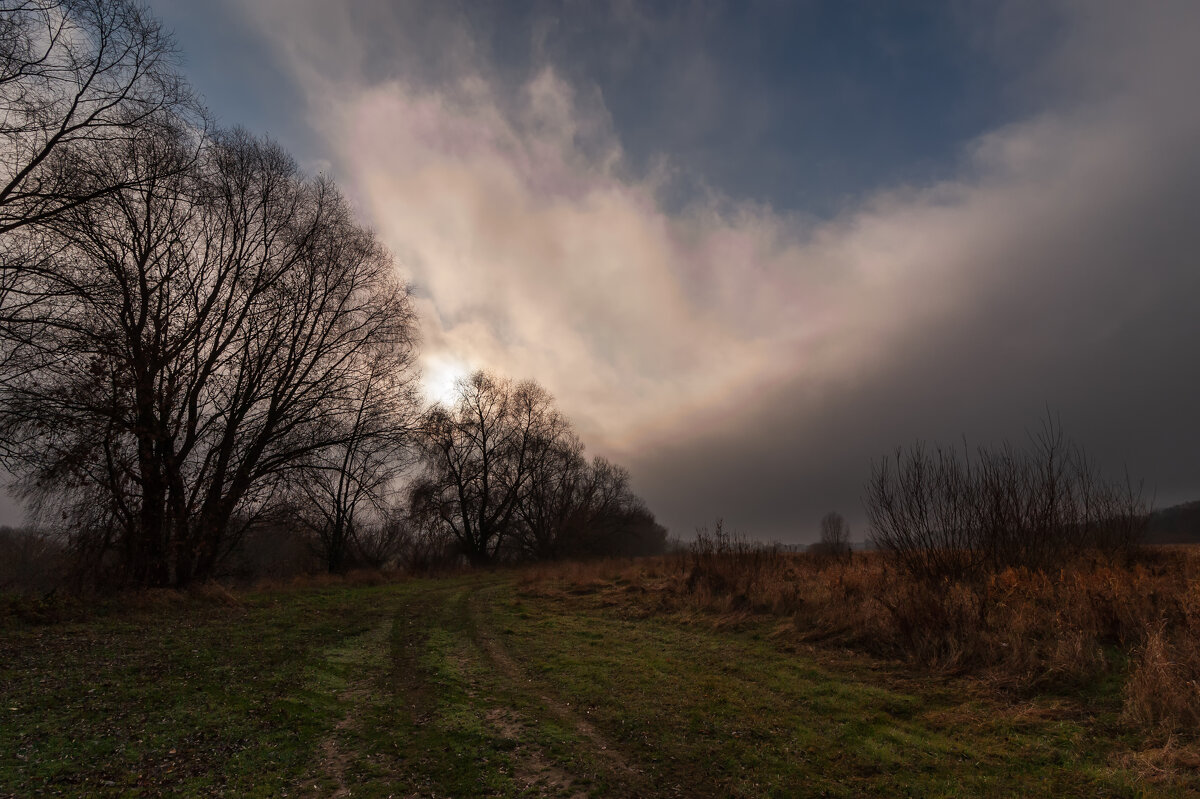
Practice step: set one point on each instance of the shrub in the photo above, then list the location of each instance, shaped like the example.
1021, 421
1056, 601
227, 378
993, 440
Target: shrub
723, 563
943, 515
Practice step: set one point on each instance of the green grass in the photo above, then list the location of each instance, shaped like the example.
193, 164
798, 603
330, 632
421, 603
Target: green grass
475, 686
196, 700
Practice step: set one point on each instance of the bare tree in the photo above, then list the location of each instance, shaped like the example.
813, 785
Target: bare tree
576, 508
554, 501
614, 521
79, 80
346, 486
505, 475
419, 543
206, 334
835, 535
480, 455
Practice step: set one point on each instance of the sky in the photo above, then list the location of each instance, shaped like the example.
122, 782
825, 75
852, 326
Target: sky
751, 247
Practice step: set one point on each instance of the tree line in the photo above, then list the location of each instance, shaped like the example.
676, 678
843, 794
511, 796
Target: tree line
197, 339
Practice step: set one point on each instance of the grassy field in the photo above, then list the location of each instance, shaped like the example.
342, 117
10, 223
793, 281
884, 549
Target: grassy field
502, 685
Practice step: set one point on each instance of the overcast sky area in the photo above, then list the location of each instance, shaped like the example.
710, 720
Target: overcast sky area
750, 247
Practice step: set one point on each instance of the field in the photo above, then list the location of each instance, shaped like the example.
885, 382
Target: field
577, 681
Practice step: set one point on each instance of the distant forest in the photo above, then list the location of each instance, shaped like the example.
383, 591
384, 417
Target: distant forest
1178, 524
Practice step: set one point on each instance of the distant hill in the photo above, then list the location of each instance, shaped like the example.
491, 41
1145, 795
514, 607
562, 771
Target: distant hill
1178, 524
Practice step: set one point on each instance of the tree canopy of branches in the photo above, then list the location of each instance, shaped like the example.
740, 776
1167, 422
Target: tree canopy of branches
480, 455
76, 76
506, 477
343, 495
206, 332
573, 507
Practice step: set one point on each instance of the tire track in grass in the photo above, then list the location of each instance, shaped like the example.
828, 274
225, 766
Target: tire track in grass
533, 767
619, 767
451, 692
361, 656
394, 664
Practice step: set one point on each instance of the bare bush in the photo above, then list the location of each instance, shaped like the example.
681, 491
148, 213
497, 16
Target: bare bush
724, 563
948, 515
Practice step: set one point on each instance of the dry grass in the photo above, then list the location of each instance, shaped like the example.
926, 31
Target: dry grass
1019, 629
1164, 688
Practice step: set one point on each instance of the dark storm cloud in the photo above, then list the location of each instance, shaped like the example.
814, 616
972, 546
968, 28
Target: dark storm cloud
802, 104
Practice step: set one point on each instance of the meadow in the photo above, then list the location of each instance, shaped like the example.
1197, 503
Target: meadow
745, 672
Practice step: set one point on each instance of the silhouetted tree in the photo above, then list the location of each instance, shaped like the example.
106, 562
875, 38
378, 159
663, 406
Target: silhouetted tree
835, 536
553, 507
343, 492
506, 476
207, 332
480, 455
76, 76
80, 81
576, 508
418, 539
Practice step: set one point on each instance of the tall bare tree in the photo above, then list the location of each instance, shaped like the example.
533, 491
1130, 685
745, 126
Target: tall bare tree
572, 507
209, 331
505, 475
79, 80
835, 535
554, 502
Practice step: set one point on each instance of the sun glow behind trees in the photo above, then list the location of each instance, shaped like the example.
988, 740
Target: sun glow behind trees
440, 377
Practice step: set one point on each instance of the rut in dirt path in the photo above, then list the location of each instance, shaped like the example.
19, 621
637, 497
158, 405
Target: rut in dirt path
618, 764
333, 759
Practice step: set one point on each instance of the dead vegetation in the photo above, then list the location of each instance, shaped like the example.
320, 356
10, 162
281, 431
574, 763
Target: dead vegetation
1019, 630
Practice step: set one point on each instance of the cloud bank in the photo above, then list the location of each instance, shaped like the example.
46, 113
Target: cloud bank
750, 361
